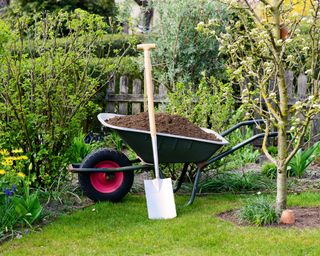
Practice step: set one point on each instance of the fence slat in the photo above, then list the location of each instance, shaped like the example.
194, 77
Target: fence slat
136, 90
163, 91
124, 88
289, 77
302, 86
111, 88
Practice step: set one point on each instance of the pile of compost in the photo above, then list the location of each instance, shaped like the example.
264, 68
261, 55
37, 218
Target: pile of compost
165, 123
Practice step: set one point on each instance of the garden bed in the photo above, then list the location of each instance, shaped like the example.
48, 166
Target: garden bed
305, 217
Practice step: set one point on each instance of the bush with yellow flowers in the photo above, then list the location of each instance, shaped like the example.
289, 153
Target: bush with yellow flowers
12, 168
18, 206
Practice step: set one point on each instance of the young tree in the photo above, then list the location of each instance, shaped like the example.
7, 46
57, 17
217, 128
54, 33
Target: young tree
268, 38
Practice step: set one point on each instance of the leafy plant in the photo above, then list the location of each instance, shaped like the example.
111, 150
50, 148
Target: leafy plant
28, 207
302, 159
269, 170
113, 140
78, 149
241, 156
259, 211
236, 182
273, 150
8, 214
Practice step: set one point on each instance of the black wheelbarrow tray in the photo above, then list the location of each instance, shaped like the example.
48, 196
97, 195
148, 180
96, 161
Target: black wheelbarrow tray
107, 174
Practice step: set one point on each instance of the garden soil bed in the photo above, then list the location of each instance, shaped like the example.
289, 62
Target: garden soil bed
306, 217
165, 123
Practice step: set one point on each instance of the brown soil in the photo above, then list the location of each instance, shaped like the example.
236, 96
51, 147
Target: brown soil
165, 123
306, 217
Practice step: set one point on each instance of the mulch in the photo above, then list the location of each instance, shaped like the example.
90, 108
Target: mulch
165, 123
305, 217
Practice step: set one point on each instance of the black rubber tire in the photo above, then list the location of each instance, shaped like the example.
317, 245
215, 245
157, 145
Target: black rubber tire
92, 160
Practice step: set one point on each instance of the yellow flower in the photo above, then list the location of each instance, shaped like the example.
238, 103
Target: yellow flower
4, 152
17, 151
2, 172
7, 162
21, 174
21, 158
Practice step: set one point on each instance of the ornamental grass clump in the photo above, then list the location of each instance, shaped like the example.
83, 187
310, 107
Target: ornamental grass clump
259, 211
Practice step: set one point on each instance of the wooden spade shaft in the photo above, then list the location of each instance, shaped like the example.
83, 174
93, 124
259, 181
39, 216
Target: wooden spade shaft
148, 78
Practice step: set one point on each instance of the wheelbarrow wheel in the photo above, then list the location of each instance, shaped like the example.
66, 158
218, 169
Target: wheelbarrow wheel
100, 186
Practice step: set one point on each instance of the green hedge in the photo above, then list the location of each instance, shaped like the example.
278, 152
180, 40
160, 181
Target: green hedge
110, 46
103, 67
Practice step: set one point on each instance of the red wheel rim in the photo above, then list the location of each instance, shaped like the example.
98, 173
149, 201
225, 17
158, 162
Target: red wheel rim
106, 183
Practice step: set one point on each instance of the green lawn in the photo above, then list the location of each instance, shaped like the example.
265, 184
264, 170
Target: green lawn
124, 229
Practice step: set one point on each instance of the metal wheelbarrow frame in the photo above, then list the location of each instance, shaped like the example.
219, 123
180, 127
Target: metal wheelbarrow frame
171, 148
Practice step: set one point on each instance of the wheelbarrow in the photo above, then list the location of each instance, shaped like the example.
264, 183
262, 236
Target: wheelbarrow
107, 175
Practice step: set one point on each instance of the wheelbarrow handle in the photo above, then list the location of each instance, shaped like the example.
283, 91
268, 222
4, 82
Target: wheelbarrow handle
249, 122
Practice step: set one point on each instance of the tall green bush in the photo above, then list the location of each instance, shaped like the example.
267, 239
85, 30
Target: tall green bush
182, 51
105, 8
45, 98
210, 104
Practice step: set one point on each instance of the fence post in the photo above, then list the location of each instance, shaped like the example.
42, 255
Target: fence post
136, 89
123, 106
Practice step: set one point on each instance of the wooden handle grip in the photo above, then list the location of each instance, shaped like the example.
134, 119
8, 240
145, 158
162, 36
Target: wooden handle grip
146, 47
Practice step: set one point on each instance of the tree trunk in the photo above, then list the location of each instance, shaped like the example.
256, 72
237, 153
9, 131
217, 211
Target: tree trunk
281, 201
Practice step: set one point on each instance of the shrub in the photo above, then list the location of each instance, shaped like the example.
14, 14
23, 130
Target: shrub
210, 105
101, 68
104, 8
182, 52
259, 211
45, 99
108, 45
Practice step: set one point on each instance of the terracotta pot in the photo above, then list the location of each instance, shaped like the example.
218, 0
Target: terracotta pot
287, 217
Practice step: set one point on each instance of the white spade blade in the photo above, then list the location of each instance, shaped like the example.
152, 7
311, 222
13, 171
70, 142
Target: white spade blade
160, 199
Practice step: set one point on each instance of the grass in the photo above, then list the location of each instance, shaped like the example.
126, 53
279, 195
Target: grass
124, 229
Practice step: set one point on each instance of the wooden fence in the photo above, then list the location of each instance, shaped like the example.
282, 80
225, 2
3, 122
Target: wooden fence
127, 97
